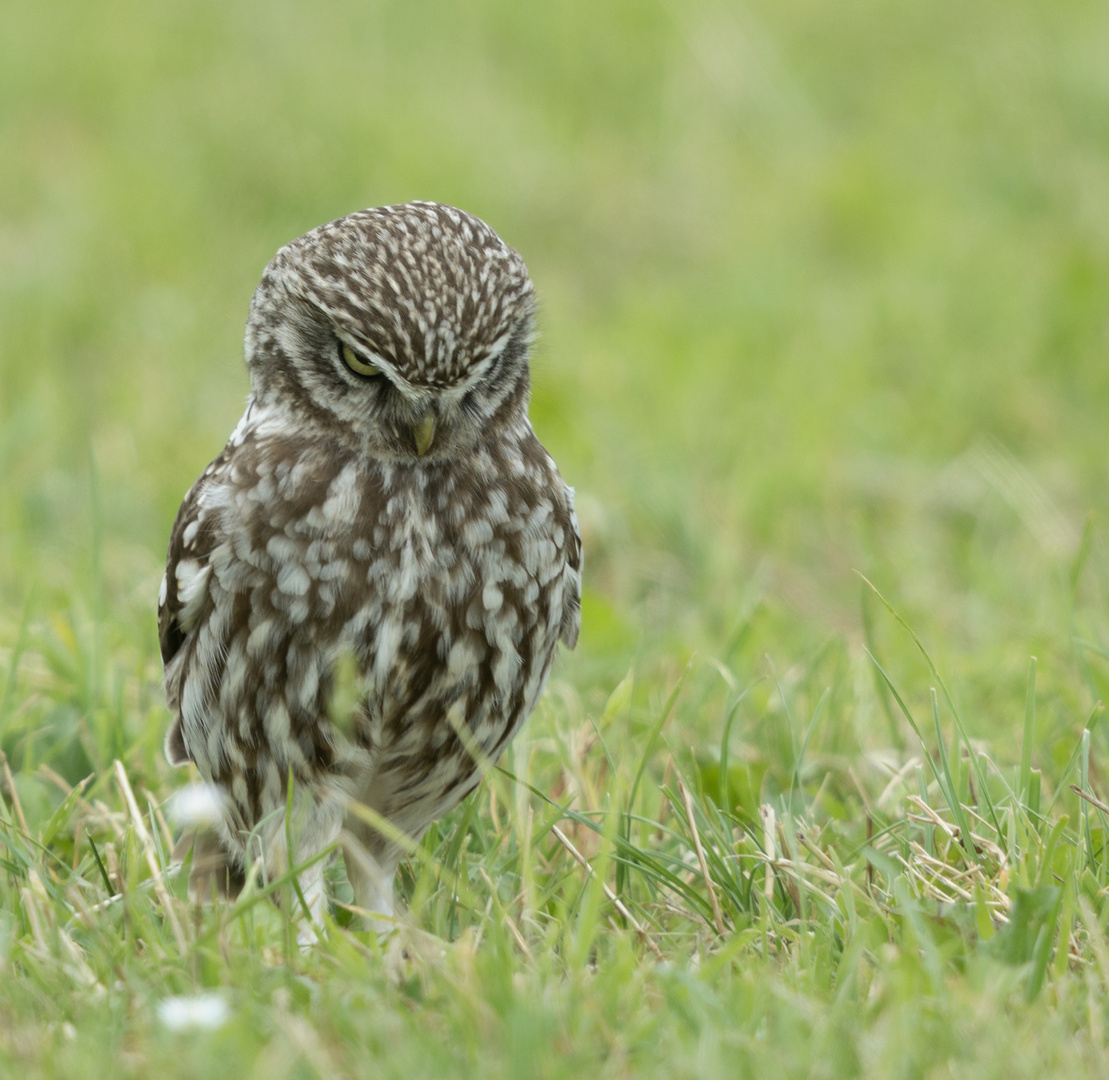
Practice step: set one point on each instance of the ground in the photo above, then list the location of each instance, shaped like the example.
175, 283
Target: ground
824, 349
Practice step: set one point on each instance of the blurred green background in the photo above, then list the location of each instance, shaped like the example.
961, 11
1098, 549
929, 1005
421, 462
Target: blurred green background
824, 291
825, 288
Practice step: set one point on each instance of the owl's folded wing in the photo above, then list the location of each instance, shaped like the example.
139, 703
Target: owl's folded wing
183, 597
571, 605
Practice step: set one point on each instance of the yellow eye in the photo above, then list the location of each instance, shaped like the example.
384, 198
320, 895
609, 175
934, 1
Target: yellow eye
357, 364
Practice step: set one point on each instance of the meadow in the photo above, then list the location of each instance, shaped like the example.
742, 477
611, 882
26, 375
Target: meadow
824, 350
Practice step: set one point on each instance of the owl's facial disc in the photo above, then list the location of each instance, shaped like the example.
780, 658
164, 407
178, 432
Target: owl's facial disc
422, 424
395, 418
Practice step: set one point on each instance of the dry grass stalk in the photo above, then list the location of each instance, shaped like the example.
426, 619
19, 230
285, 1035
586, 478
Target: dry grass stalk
510, 922
766, 815
617, 903
717, 915
13, 793
1091, 799
151, 857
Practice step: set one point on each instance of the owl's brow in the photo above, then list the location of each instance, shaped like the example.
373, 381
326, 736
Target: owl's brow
345, 337
518, 334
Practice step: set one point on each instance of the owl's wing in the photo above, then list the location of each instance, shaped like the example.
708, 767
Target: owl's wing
183, 596
571, 606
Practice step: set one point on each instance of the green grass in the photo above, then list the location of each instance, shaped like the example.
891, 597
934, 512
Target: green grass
825, 303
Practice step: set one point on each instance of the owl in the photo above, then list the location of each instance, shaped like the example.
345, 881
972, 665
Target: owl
382, 517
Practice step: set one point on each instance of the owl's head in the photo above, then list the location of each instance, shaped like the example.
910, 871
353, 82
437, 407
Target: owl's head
404, 329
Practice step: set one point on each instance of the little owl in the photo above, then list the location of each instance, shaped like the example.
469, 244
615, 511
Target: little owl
383, 513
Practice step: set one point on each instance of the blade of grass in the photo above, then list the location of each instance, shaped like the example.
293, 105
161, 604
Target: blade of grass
655, 731
1072, 761
983, 786
1025, 786
795, 779
289, 849
100, 865
148, 853
950, 792
724, 739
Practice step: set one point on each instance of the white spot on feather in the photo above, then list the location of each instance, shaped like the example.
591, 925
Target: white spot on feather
277, 724
477, 532
260, 636
462, 659
309, 687
192, 582
293, 579
343, 496
388, 642
281, 547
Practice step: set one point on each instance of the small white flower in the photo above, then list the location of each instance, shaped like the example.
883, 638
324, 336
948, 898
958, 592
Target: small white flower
204, 1011
195, 805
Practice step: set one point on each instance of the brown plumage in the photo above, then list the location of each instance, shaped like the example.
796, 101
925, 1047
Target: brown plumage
384, 508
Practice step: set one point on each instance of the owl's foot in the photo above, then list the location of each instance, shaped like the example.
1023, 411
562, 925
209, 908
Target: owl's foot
372, 883
381, 922
310, 921
378, 912
309, 932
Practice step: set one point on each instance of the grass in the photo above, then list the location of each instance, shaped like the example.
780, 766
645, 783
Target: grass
824, 352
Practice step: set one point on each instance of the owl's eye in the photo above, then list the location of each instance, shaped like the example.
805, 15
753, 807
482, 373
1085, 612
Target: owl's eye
357, 364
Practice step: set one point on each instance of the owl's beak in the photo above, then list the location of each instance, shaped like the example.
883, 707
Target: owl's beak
424, 432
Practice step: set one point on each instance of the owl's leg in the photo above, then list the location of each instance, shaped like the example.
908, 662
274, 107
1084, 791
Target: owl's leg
312, 889
371, 858
371, 867
313, 826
